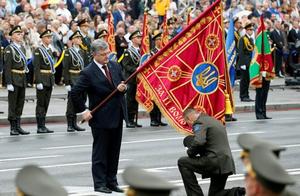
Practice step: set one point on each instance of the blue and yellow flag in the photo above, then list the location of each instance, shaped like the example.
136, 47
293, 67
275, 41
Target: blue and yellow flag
231, 51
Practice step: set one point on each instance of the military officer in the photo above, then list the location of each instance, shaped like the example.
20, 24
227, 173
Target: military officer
86, 40
73, 64
264, 174
34, 181
155, 114
130, 63
143, 183
245, 48
103, 34
43, 63
15, 69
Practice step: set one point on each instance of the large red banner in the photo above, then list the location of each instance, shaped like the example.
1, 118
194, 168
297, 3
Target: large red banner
190, 71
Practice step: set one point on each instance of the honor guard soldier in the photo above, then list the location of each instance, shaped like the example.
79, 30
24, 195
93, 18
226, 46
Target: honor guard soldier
245, 48
15, 69
265, 175
103, 34
130, 63
155, 114
43, 63
73, 64
86, 41
143, 183
34, 181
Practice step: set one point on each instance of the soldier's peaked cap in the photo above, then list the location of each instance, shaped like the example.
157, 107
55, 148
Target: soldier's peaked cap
249, 141
83, 22
16, 29
136, 33
46, 33
101, 34
146, 183
34, 181
157, 35
268, 170
75, 34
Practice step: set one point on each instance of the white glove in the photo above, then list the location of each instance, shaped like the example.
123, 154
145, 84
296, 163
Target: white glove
39, 86
10, 87
68, 88
264, 74
243, 67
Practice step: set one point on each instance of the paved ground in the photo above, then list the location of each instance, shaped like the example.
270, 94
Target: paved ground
280, 98
67, 155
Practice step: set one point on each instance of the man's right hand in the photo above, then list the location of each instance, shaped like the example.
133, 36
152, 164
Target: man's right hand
10, 88
40, 86
86, 115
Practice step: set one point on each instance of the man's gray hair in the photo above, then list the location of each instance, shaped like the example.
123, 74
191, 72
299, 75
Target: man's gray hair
98, 45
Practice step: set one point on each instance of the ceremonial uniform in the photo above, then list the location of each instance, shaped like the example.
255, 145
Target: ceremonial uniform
155, 114
15, 69
43, 63
245, 48
73, 65
130, 63
86, 42
215, 160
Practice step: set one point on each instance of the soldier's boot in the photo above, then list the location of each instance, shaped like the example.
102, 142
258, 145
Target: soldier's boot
40, 126
13, 127
44, 127
75, 126
19, 129
70, 124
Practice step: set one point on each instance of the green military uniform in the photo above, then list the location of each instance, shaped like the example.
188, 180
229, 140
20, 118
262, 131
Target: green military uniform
130, 62
73, 64
34, 181
15, 69
143, 183
86, 44
43, 63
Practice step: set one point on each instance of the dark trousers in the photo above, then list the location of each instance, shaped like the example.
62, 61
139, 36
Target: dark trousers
105, 155
43, 100
261, 98
277, 56
244, 83
202, 165
132, 104
155, 114
16, 102
70, 107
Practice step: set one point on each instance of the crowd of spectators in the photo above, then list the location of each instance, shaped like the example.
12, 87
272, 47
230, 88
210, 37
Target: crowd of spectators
61, 16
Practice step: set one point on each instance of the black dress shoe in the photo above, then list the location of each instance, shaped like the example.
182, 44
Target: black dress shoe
115, 189
267, 117
163, 124
229, 118
103, 189
260, 117
41, 130
130, 125
48, 130
247, 100
154, 124
137, 125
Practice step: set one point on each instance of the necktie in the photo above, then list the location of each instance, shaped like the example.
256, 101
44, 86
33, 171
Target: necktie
108, 76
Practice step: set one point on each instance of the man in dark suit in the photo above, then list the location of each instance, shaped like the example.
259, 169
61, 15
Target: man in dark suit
245, 48
43, 63
277, 38
294, 38
215, 161
15, 68
98, 80
130, 62
73, 65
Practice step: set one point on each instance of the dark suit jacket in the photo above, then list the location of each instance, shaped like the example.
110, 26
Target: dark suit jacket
277, 39
244, 54
97, 86
215, 147
293, 35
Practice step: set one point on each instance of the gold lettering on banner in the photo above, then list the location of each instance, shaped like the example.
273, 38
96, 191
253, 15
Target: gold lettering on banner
160, 91
146, 70
177, 116
166, 101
